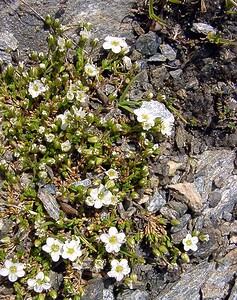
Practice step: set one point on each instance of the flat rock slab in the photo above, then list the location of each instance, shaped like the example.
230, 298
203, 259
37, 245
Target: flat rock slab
186, 192
23, 19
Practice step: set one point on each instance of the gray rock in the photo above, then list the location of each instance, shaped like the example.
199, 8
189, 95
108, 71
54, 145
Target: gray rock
178, 236
8, 41
86, 183
148, 43
213, 174
187, 193
49, 202
213, 169
203, 28
183, 222
108, 294
169, 213
157, 57
5, 58
233, 294
106, 18
134, 295
176, 73
155, 202
94, 290
180, 207
50, 188
190, 283
168, 52
158, 76
217, 285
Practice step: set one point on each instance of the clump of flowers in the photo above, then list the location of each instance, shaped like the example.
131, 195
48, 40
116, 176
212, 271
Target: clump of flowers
99, 196
79, 155
151, 111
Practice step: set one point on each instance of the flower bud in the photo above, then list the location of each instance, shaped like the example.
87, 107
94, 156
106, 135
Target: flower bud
34, 55
37, 243
93, 139
53, 294
109, 184
174, 222
68, 44
203, 237
185, 258
99, 161
56, 24
48, 20
5, 240
163, 249
135, 196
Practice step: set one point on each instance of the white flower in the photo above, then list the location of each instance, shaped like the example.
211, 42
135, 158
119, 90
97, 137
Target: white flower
12, 270
53, 247
127, 62
49, 137
42, 148
99, 197
79, 113
41, 129
77, 265
119, 269
71, 250
66, 146
113, 240
116, 44
36, 88
85, 34
64, 119
145, 117
42, 174
91, 70
99, 264
81, 96
113, 174
166, 127
61, 44
70, 94
40, 283
190, 242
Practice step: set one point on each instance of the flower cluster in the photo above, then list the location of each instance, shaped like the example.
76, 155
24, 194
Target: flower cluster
71, 249
100, 196
152, 110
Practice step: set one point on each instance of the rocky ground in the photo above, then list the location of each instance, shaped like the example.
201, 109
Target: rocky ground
195, 176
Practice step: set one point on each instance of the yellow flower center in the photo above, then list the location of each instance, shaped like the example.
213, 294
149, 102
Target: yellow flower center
55, 248
189, 243
113, 240
119, 269
13, 269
